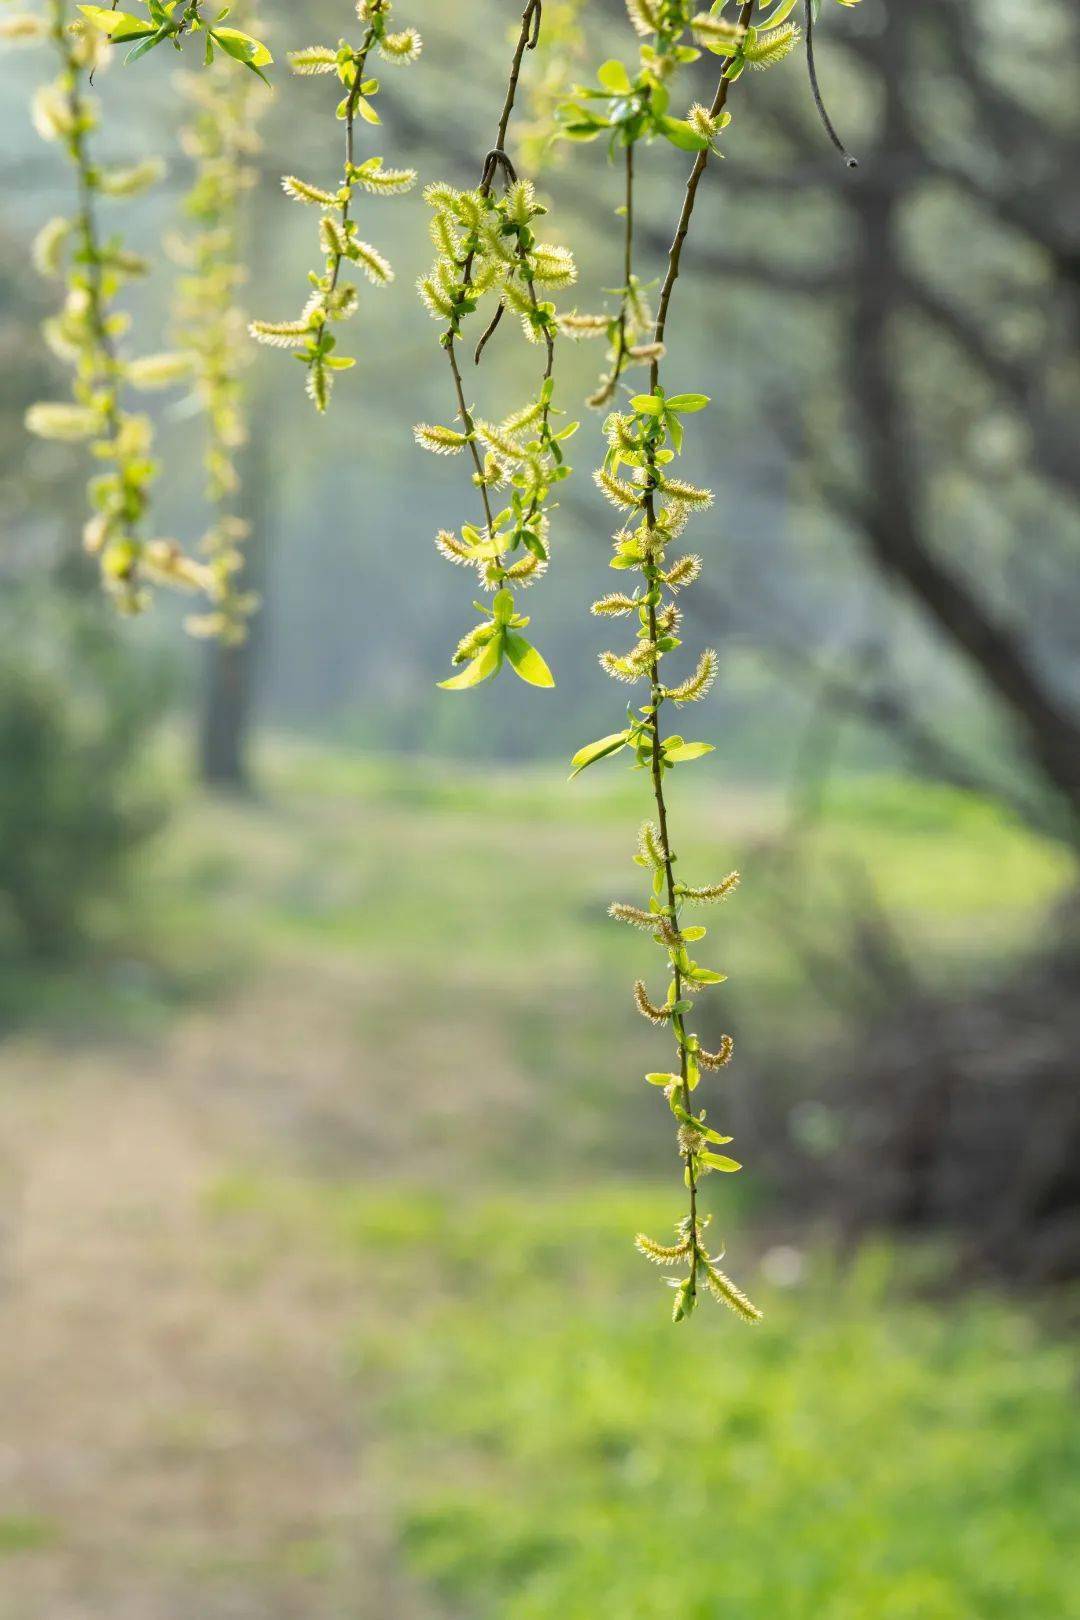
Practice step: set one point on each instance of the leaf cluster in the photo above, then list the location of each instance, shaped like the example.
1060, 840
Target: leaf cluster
488, 249
169, 22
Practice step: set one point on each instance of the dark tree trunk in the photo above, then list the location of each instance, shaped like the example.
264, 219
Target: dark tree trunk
230, 675
226, 710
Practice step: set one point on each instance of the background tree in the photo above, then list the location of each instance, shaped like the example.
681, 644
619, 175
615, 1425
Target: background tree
939, 433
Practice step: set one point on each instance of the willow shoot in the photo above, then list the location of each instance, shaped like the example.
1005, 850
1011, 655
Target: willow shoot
639, 477
172, 22
332, 299
87, 331
487, 248
627, 109
221, 139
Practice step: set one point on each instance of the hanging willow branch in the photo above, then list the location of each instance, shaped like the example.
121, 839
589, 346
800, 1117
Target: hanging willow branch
638, 476
629, 110
487, 248
334, 300
221, 139
87, 331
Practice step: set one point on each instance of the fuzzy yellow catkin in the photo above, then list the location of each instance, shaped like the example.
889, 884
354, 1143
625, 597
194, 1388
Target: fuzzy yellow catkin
771, 47
683, 573
662, 1254
614, 605
699, 684
723, 1289
303, 191
708, 893
647, 1008
650, 847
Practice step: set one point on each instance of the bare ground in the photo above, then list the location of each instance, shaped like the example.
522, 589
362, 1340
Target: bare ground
180, 1439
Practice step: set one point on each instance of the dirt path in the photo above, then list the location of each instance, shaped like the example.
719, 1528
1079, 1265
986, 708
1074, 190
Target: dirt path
179, 1439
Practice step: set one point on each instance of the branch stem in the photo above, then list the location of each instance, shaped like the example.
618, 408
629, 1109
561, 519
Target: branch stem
652, 573
496, 158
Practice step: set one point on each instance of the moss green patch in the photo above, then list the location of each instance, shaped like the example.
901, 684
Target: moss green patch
26, 1533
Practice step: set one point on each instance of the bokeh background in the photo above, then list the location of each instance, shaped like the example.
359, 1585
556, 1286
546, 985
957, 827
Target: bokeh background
324, 1139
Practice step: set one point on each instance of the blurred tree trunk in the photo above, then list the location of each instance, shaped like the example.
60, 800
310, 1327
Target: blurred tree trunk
230, 674
223, 733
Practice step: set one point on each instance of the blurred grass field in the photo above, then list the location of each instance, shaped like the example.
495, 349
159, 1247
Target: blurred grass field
552, 1449
342, 1187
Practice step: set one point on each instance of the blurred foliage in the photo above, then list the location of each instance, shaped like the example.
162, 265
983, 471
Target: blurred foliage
76, 704
869, 1450
865, 1453
75, 714
313, 874
771, 290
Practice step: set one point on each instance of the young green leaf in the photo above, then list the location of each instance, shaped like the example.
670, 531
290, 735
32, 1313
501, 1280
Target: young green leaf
684, 752
119, 25
687, 403
526, 661
600, 749
483, 666
720, 1161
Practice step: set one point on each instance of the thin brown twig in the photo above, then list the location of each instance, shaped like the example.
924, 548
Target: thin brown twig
359, 62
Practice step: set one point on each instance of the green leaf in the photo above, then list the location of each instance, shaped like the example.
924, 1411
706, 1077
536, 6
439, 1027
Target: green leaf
687, 402
720, 1161
526, 661
775, 18
242, 47
483, 666
684, 752
582, 132
614, 77
682, 135
598, 750
119, 25
647, 404
663, 1079
148, 44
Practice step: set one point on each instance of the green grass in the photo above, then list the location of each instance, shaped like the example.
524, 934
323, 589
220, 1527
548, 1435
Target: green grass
555, 1447
484, 892
26, 1533
448, 871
